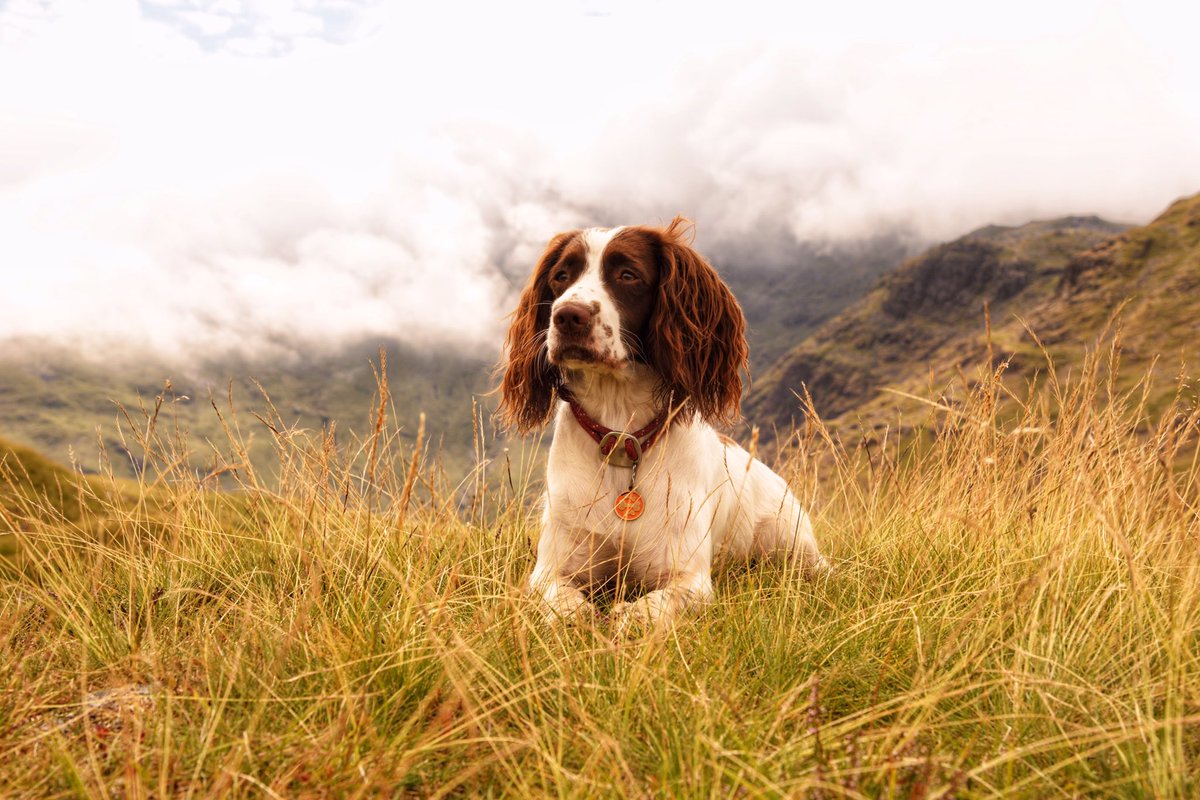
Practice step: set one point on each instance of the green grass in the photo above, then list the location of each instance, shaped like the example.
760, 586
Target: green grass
1015, 611
68, 407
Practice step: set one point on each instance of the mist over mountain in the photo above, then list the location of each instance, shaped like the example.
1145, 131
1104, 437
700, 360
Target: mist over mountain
274, 182
785, 302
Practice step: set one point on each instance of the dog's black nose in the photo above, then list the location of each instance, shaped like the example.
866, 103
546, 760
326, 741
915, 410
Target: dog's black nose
573, 319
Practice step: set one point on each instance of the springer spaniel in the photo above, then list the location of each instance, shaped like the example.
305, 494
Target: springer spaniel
638, 345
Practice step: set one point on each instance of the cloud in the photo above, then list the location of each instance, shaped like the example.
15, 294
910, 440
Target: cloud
214, 174
843, 149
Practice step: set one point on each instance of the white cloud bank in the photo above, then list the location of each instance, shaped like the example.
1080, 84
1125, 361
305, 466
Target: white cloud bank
177, 174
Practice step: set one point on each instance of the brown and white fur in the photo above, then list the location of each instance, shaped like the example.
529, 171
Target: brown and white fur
632, 321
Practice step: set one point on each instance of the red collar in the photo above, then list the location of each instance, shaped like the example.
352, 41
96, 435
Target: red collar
635, 444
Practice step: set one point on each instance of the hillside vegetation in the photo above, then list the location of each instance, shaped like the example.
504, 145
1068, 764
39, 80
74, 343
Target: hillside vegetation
1015, 612
1003, 293
71, 409
28, 474
36, 487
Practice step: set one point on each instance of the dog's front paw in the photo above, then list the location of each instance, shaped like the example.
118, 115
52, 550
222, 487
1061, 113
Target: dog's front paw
636, 618
821, 568
569, 609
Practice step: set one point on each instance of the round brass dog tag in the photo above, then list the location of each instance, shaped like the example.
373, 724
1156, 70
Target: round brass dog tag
629, 506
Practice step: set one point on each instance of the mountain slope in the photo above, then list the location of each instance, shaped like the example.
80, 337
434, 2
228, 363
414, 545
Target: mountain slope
59, 404
925, 320
786, 302
26, 475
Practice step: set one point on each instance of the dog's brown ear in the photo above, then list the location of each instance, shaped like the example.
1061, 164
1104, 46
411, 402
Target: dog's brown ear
529, 379
697, 333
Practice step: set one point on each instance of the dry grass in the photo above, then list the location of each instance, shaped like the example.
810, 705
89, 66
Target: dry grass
1015, 612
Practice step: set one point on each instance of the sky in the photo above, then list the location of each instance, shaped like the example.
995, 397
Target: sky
184, 176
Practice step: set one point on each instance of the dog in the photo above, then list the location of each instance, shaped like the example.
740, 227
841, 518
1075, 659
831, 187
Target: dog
630, 338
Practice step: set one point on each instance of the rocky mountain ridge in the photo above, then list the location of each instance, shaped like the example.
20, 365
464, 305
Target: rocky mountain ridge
924, 323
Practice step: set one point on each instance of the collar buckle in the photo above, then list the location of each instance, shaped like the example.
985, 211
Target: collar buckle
615, 447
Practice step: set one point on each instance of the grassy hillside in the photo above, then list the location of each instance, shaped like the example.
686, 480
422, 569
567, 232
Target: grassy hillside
1012, 614
28, 482
1151, 274
69, 408
927, 321
26, 473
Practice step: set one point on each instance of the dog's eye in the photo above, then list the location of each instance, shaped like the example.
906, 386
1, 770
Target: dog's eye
627, 275
560, 276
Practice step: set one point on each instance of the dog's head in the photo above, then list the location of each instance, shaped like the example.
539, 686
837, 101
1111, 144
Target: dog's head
605, 299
